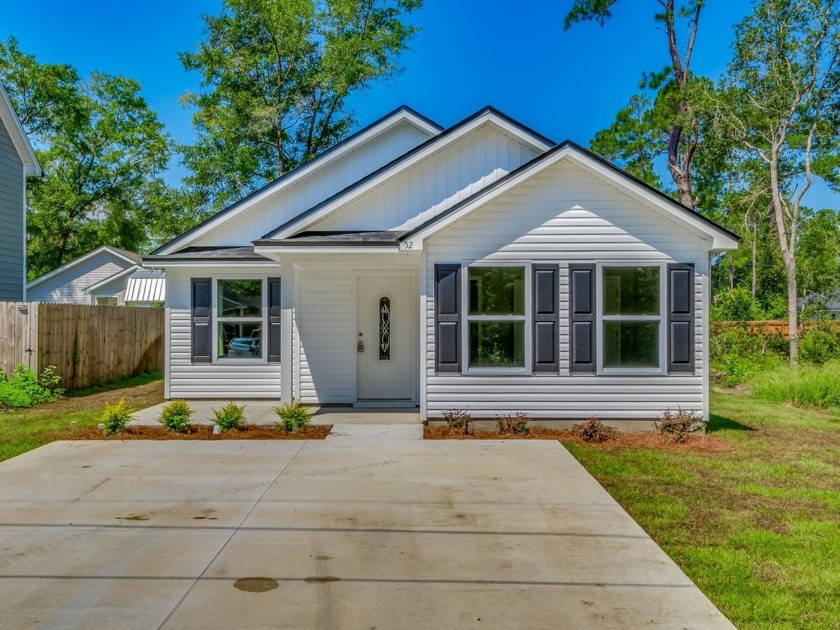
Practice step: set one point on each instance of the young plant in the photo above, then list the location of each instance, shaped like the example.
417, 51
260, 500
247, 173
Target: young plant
513, 424
115, 417
229, 417
176, 416
678, 424
26, 389
459, 421
292, 417
594, 431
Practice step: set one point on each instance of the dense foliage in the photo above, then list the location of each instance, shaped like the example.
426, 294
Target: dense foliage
176, 416
26, 389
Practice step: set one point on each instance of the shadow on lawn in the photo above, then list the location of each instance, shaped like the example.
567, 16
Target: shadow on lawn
721, 423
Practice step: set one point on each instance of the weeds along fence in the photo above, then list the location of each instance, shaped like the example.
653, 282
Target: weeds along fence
88, 345
775, 327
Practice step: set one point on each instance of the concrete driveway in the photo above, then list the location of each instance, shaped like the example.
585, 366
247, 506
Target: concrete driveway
368, 529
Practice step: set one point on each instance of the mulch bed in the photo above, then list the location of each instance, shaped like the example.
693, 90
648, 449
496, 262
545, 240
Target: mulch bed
203, 432
695, 443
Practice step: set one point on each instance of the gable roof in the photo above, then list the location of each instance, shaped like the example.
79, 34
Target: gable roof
489, 114
11, 122
722, 238
106, 281
401, 114
126, 255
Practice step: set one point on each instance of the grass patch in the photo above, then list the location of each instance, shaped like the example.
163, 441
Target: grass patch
22, 430
757, 526
806, 386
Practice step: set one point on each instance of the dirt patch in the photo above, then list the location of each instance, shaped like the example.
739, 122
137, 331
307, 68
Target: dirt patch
694, 443
250, 432
138, 397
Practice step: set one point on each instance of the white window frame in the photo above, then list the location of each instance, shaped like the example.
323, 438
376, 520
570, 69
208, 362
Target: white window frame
467, 318
662, 318
216, 320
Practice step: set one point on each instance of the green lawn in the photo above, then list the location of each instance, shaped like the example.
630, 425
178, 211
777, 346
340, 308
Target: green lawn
757, 528
24, 429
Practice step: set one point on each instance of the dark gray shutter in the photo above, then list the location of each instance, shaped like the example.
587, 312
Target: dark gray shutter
546, 335
448, 318
582, 318
274, 314
680, 318
202, 340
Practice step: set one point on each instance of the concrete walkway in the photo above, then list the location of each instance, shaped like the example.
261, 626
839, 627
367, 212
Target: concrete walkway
364, 529
262, 412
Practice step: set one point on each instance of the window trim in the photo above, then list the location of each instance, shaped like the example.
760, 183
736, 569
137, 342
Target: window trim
527, 369
216, 320
600, 318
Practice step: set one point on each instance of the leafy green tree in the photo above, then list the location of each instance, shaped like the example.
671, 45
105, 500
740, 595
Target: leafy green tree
275, 76
676, 79
818, 268
781, 104
101, 147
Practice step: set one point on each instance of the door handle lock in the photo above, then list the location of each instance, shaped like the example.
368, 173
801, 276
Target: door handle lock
360, 347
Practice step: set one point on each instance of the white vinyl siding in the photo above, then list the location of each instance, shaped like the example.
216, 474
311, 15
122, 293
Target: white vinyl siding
417, 194
211, 380
12, 259
565, 216
72, 285
314, 188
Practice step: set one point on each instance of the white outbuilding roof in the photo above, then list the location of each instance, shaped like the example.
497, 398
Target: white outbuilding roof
146, 286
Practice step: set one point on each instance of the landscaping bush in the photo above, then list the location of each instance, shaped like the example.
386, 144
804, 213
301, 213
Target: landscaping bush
115, 417
820, 343
230, 417
679, 424
736, 354
26, 389
806, 386
459, 421
593, 430
293, 417
513, 424
176, 416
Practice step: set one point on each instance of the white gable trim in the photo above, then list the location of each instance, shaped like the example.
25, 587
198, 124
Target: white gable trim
31, 167
719, 239
79, 260
403, 115
340, 200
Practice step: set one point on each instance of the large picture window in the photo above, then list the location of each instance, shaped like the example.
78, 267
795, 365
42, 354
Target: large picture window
631, 317
240, 318
496, 317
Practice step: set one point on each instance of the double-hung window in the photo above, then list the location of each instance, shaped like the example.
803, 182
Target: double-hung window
632, 327
240, 319
497, 326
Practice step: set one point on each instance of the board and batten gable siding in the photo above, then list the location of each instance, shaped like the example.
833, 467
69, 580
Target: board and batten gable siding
566, 216
12, 217
421, 192
210, 380
71, 285
315, 187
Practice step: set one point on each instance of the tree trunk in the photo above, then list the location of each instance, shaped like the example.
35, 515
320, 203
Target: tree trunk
787, 243
754, 264
793, 312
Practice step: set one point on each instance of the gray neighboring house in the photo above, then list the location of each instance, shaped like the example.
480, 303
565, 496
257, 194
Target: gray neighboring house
17, 162
99, 277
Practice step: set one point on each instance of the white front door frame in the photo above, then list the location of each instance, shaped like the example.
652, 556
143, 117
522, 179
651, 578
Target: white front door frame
412, 336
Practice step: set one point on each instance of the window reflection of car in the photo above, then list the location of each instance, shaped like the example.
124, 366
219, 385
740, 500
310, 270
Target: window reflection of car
244, 347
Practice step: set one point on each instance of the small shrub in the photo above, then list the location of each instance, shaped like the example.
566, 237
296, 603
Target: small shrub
176, 416
806, 386
737, 354
821, 343
459, 421
678, 424
115, 417
26, 389
293, 417
513, 424
594, 431
229, 417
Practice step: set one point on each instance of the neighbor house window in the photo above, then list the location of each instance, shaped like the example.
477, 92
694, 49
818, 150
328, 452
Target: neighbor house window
496, 317
239, 318
631, 317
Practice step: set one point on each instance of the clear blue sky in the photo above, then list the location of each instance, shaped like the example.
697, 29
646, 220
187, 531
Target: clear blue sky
469, 53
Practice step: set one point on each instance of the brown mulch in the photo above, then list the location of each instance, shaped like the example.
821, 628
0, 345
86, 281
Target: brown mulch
695, 443
203, 432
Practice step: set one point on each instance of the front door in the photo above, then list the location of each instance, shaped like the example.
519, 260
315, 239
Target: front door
387, 338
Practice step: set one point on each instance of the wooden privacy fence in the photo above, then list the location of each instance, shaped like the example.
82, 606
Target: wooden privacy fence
88, 345
772, 327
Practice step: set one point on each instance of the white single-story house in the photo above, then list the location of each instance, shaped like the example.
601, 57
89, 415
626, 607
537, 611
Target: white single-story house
107, 276
480, 267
